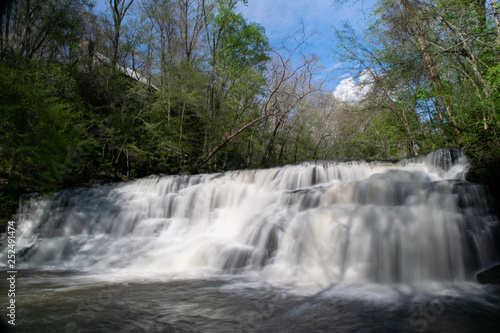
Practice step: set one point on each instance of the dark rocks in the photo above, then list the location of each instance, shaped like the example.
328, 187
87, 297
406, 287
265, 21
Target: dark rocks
490, 275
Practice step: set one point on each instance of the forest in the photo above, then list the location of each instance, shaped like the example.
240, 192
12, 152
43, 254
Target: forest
190, 86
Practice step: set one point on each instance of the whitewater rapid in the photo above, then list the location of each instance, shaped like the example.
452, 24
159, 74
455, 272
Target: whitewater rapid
316, 223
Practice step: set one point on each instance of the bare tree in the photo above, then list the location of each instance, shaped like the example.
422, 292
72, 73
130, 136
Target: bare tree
288, 85
37, 29
119, 9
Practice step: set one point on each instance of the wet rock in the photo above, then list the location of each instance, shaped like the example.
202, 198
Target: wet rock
490, 275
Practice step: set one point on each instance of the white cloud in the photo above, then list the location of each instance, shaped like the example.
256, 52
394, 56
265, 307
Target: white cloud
334, 67
352, 90
281, 18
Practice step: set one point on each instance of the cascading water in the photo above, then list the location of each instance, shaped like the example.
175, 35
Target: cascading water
342, 246
316, 223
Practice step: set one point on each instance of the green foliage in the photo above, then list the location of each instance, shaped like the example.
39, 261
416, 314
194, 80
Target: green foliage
37, 115
244, 45
441, 82
73, 118
48, 30
68, 117
36, 125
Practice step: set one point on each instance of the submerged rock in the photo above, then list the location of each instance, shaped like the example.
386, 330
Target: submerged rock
490, 275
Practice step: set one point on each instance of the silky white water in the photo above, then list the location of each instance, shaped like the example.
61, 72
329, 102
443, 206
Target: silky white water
316, 223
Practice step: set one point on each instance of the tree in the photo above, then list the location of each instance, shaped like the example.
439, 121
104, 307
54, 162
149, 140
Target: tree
287, 85
119, 9
238, 54
43, 29
438, 71
39, 122
441, 82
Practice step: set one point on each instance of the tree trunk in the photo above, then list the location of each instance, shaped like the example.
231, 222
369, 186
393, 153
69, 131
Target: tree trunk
434, 73
233, 135
271, 143
182, 120
119, 9
497, 19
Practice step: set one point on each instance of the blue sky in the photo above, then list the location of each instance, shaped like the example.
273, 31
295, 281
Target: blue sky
281, 17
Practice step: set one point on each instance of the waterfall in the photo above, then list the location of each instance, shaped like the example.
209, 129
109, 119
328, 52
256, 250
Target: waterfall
314, 223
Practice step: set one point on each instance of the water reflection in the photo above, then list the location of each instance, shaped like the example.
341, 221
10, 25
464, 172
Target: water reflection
63, 302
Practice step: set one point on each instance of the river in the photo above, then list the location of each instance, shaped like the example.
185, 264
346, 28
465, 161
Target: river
337, 246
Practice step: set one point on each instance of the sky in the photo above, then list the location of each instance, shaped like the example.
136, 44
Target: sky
281, 18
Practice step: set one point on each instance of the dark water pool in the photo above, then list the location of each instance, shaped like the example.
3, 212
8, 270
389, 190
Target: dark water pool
74, 302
